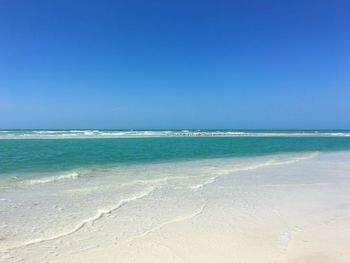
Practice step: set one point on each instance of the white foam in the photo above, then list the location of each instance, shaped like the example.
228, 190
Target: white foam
270, 162
53, 134
100, 213
52, 179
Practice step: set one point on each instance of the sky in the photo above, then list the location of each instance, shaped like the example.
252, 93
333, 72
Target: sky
132, 64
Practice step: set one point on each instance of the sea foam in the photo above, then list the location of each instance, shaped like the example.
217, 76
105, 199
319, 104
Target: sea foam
52, 179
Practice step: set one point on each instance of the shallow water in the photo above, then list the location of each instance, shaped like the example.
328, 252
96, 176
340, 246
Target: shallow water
55, 191
31, 157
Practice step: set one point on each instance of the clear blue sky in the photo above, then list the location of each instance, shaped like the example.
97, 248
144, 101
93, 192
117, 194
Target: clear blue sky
174, 64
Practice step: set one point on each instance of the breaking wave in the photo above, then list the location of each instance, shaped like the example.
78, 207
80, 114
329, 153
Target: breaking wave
52, 179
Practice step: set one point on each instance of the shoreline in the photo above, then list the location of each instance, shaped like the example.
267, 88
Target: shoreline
284, 210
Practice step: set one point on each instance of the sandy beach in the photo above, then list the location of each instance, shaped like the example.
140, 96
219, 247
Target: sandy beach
290, 210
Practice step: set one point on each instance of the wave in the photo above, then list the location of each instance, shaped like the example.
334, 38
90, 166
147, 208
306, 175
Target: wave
271, 162
74, 175
56, 134
91, 220
52, 179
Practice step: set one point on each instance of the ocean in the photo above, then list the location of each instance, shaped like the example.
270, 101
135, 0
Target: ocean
60, 185
75, 149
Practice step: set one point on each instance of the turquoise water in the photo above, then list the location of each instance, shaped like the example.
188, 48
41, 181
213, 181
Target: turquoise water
35, 155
